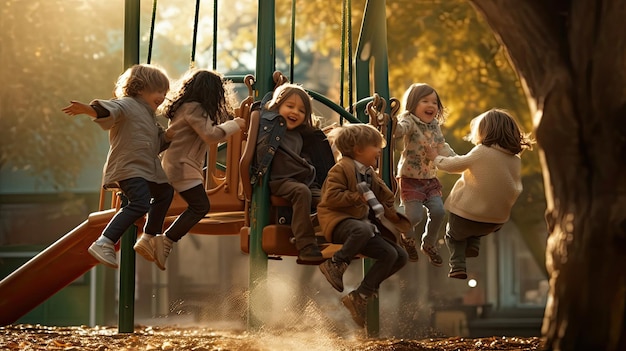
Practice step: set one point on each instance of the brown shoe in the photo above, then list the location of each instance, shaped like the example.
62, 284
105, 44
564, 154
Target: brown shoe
458, 273
357, 306
433, 255
409, 245
333, 271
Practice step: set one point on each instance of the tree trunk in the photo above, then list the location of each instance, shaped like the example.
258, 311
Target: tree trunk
571, 56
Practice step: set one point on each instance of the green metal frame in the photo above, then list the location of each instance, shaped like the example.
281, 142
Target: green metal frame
127, 263
374, 67
259, 215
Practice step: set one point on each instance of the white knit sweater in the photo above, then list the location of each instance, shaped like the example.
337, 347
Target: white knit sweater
489, 185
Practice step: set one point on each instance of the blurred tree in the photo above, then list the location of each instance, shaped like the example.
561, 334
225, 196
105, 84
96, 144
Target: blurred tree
571, 56
48, 57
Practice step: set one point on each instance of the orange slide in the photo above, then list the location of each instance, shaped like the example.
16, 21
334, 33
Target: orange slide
51, 270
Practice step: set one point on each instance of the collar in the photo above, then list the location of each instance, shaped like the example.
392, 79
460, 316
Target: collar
361, 168
417, 120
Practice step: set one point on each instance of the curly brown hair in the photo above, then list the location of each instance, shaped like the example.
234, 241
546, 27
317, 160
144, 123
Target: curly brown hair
210, 90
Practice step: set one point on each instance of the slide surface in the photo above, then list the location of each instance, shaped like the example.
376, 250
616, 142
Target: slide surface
51, 270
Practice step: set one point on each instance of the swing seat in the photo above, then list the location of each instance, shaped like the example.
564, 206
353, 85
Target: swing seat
278, 240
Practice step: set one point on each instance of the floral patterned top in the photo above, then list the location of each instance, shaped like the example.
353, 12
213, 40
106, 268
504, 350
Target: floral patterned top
416, 135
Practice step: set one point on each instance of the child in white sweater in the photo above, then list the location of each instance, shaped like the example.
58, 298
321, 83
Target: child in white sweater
481, 200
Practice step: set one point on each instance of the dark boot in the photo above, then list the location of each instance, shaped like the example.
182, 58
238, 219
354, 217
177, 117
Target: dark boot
333, 271
357, 305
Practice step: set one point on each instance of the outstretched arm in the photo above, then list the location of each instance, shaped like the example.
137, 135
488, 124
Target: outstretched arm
78, 108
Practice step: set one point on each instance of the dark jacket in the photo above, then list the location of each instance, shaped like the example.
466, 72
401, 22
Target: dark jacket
272, 127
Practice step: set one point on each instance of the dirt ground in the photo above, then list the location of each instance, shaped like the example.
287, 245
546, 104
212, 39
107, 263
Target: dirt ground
36, 337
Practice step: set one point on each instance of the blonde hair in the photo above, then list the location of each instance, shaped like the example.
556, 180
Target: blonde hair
418, 91
349, 137
497, 126
139, 78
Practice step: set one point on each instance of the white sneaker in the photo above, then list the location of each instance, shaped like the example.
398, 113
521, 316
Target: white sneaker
145, 247
163, 246
104, 253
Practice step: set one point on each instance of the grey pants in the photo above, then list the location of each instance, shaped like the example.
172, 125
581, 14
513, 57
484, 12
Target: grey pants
414, 211
300, 196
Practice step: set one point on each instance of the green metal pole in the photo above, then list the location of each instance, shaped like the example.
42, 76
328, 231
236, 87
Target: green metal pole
259, 209
266, 48
127, 281
127, 263
374, 36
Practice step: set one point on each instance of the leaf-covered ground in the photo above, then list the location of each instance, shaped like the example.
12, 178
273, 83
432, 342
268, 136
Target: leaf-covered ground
36, 337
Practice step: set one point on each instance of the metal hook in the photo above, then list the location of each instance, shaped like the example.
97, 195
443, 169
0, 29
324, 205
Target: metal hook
249, 82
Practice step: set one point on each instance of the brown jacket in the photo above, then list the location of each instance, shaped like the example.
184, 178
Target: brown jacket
341, 199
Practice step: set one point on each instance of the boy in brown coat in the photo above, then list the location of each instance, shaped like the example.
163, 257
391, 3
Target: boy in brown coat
344, 215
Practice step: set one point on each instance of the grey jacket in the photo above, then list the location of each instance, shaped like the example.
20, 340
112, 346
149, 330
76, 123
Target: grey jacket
135, 139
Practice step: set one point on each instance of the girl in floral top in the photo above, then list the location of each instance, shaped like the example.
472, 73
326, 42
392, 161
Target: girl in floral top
419, 125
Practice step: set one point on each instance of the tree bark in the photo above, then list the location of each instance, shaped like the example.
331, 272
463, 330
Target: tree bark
571, 57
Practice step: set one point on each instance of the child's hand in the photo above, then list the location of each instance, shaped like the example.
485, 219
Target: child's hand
78, 108
240, 122
431, 152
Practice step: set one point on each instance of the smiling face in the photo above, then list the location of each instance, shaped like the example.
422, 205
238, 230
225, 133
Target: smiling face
427, 108
153, 98
294, 111
367, 155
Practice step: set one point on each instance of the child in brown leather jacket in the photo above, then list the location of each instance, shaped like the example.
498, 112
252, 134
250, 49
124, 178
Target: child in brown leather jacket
344, 215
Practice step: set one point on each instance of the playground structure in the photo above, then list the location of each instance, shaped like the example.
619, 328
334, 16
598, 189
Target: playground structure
237, 208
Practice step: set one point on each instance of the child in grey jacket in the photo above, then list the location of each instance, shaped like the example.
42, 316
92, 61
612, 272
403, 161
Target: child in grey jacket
133, 164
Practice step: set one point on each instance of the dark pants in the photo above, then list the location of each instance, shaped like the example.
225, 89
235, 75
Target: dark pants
357, 237
143, 197
199, 206
300, 197
462, 233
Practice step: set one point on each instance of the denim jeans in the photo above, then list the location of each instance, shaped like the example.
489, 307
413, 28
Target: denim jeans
414, 210
143, 197
462, 233
357, 238
198, 206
